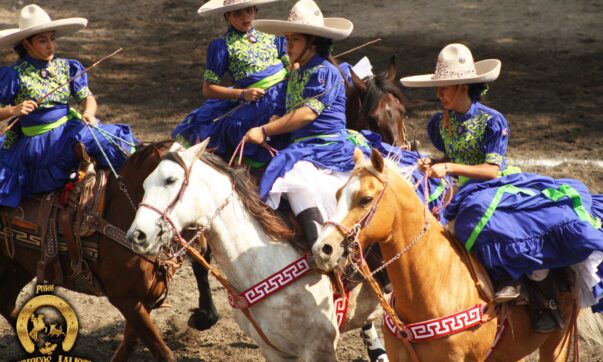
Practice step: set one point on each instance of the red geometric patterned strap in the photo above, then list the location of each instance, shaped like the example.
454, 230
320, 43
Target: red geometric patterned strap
439, 327
270, 285
341, 307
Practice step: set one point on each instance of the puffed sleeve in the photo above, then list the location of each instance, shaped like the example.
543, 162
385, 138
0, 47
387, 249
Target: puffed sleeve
433, 131
281, 46
323, 88
217, 61
496, 138
9, 85
79, 87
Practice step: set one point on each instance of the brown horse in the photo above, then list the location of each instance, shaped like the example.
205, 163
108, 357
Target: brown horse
135, 295
430, 273
377, 104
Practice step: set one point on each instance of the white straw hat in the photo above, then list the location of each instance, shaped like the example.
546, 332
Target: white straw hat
455, 66
34, 20
213, 7
306, 18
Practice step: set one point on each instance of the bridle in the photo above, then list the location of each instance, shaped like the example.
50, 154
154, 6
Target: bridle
356, 257
186, 245
164, 215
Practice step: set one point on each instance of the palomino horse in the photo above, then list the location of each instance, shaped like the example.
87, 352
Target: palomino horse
431, 275
250, 244
377, 103
135, 295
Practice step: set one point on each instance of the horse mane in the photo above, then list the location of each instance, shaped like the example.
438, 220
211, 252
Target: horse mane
272, 225
377, 87
391, 162
144, 151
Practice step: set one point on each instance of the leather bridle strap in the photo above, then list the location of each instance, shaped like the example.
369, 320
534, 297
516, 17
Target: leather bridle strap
175, 157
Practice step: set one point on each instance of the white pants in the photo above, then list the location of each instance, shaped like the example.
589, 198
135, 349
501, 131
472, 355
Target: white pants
306, 186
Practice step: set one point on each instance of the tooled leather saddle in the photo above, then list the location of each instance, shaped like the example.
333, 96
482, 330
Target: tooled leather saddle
57, 223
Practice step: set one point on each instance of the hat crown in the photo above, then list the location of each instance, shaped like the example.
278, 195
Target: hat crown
32, 15
455, 62
306, 12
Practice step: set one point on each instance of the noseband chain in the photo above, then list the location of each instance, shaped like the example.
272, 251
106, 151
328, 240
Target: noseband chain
352, 234
164, 215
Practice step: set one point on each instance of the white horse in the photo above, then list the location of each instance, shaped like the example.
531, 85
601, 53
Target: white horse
245, 239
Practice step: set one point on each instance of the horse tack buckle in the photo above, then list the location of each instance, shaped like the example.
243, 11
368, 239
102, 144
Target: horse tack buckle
237, 301
405, 334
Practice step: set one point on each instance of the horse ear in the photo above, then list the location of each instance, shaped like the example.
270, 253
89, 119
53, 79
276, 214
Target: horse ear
196, 151
377, 160
358, 83
358, 155
391, 69
175, 147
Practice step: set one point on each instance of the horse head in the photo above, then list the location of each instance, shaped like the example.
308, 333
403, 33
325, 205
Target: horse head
170, 206
364, 213
376, 103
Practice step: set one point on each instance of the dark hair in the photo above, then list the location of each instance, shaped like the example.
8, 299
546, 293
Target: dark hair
224, 15
477, 91
324, 46
20, 49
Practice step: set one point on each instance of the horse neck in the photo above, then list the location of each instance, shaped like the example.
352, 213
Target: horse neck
430, 280
238, 243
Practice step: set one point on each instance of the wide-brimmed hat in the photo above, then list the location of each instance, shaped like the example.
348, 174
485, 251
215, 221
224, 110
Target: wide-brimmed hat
213, 7
306, 18
34, 20
456, 66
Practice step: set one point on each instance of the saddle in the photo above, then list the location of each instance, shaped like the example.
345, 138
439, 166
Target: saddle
42, 221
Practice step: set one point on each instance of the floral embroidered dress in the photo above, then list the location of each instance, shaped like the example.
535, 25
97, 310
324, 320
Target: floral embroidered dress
254, 60
478, 136
520, 222
37, 155
325, 143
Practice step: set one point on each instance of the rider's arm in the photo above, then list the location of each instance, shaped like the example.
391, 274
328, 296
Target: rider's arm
291, 121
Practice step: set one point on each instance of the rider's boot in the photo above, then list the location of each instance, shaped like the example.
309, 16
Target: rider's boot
544, 304
310, 220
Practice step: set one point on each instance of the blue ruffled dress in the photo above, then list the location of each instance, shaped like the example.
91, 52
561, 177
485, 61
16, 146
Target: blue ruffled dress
325, 142
520, 222
37, 155
254, 60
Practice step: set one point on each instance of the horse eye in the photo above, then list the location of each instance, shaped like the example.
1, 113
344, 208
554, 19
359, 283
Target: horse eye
170, 181
366, 200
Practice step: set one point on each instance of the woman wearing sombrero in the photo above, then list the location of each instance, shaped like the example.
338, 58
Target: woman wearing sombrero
257, 62
37, 153
319, 158
519, 225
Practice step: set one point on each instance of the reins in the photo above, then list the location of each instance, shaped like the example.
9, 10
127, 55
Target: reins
186, 246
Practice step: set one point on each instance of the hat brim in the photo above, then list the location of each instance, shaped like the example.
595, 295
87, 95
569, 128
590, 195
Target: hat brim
214, 7
335, 28
486, 71
61, 28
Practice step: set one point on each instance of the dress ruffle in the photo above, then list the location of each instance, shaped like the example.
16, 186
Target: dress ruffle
226, 133
528, 230
45, 162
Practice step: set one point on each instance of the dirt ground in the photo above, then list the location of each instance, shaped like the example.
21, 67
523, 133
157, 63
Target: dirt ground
550, 89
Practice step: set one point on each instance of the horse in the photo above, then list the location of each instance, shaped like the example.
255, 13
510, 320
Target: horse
38, 326
134, 296
193, 189
431, 275
377, 103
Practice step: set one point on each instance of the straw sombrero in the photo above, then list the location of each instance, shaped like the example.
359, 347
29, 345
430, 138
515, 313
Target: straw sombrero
306, 18
456, 66
34, 20
213, 7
